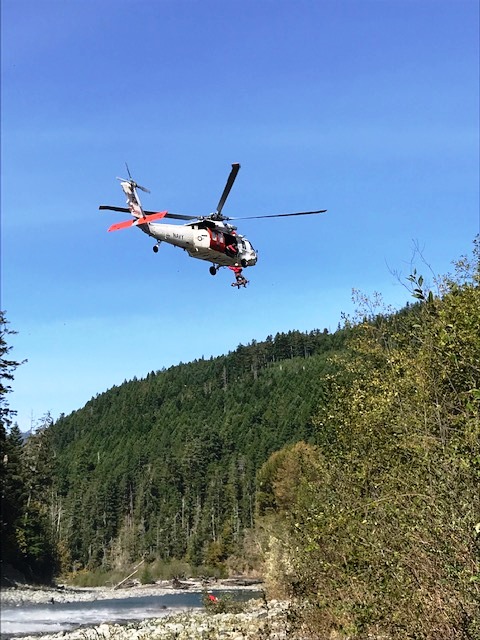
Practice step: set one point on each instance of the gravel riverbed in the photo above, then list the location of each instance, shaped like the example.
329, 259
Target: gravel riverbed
255, 623
258, 620
36, 595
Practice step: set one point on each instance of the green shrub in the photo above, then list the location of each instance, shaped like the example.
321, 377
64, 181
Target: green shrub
221, 604
374, 531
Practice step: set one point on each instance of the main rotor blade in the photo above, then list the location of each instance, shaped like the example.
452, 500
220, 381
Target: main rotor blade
281, 215
106, 206
228, 186
177, 216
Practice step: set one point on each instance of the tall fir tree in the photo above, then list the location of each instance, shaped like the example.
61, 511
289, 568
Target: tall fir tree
12, 490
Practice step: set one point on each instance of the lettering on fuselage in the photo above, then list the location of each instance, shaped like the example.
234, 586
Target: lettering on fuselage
178, 236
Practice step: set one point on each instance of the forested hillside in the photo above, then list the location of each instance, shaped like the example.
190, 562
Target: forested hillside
166, 465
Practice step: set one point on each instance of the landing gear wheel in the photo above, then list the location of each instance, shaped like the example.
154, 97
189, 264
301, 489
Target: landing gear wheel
243, 263
213, 271
155, 248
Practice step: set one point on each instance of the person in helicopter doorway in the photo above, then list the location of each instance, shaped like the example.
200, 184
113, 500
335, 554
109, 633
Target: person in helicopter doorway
240, 280
231, 249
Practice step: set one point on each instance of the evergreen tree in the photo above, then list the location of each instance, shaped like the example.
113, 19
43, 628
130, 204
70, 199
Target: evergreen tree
7, 369
13, 495
12, 490
36, 529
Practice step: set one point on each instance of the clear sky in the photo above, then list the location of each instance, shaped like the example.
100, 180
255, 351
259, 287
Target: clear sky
366, 108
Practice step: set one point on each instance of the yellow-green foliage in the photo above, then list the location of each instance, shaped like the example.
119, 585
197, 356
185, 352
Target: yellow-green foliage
375, 530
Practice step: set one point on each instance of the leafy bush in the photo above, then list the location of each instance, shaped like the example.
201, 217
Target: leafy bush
222, 604
146, 575
375, 529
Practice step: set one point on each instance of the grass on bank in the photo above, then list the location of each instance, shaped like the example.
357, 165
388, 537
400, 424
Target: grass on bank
148, 573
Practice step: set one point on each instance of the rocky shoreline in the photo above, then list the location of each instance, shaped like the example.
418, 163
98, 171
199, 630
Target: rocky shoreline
256, 622
258, 618
23, 594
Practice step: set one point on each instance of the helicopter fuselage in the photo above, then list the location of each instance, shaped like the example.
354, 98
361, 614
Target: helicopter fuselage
218, 243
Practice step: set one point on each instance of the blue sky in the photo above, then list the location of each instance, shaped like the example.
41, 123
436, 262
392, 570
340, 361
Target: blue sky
366, 108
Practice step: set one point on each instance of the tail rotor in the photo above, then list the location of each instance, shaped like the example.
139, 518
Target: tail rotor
132, 182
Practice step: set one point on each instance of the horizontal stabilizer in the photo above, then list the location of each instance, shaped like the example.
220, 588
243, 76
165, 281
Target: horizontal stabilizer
138, 221
121, 225
151, 217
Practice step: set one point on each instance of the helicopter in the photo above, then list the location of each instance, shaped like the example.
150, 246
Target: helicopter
211, 237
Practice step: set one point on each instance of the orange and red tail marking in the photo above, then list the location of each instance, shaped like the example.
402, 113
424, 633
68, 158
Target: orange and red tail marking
138, 221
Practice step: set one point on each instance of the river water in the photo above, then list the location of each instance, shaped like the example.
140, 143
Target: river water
29, 619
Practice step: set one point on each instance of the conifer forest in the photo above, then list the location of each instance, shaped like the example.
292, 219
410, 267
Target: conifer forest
343, 468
